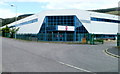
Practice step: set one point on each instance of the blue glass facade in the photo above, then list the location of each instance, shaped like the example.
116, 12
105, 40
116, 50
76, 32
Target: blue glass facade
104, 20
51, 23
60, 20
26, 22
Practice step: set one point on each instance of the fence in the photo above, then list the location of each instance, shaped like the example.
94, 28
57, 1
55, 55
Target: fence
0, 33
8, 35
61, 37
51, 37
82, 38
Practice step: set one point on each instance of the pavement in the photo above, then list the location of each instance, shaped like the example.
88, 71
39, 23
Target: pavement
29, 56
114, 51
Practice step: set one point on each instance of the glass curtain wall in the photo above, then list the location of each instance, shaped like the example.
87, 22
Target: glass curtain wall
50, 32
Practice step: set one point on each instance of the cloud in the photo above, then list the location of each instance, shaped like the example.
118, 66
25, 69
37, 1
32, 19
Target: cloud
7, 13
63, 4
74, 4
81, 4
3, 3
26, 0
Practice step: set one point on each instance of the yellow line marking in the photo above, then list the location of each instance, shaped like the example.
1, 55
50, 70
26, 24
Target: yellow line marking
110, 54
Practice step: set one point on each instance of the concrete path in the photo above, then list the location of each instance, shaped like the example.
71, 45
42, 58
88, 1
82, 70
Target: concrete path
114, 51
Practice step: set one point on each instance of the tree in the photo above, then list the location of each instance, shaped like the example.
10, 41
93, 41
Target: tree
9, 32
5, 31
13, 31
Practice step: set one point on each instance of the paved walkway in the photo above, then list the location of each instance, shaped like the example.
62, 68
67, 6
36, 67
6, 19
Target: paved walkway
114, 51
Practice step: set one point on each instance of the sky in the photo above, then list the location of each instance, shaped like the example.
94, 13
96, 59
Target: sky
35, 6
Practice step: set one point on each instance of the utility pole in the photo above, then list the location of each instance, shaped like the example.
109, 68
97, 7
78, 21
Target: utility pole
15, 15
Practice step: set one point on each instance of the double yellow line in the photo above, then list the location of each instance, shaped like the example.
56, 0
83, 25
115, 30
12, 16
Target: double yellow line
113, 55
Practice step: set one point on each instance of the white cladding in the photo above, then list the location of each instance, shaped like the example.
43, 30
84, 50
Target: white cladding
119, 24
95, 27
119, 28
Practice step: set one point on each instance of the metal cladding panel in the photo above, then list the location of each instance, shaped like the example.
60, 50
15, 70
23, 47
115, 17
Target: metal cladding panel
33, 27
85, 15
103, 15
119, 25
104, 28
98, 27
118, 28
60, 13
101, 28
75, 12
30, 28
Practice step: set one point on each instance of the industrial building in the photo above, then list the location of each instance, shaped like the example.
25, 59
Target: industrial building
68, 25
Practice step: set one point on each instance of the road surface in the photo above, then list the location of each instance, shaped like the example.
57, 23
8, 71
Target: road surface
28, 56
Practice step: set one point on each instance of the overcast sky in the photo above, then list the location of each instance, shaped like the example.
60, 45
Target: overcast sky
35, 6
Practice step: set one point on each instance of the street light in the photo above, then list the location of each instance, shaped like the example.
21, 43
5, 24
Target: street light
15, 11
15, 15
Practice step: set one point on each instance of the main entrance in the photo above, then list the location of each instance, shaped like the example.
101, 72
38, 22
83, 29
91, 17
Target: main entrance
60, 36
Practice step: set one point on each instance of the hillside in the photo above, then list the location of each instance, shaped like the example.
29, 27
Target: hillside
10, 20
114, 11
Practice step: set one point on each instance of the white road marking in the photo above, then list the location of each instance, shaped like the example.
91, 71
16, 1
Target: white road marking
76, 67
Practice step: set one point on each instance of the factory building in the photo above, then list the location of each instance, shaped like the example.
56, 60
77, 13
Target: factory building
68, 25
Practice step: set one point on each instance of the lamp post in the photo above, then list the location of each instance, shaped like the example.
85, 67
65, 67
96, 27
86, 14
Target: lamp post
15, 11
15, 15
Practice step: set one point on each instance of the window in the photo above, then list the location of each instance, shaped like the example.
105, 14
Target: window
104, 20
27, 22
61, 20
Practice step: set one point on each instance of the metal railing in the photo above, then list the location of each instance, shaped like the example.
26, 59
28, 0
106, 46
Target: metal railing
85, 38
81, 38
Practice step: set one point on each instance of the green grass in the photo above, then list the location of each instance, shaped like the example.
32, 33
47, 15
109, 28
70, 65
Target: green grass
114, 12
99, 40
118, 47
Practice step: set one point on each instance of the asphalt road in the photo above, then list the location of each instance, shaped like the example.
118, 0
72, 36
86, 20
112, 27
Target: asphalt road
27, 56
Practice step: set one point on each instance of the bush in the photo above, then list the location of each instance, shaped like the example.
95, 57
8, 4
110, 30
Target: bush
99, 40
